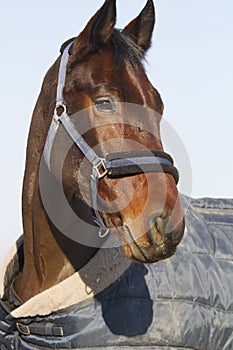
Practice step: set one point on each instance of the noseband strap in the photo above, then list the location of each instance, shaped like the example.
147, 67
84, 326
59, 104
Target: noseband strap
115, 165
138, 162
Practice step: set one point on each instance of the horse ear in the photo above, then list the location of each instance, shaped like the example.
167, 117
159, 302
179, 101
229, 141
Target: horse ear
141, 28
97, 31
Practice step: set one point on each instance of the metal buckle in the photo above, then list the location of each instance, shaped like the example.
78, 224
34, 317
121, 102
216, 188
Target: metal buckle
23, 328
101, 169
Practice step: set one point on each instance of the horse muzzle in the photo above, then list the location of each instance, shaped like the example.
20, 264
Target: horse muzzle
158, 243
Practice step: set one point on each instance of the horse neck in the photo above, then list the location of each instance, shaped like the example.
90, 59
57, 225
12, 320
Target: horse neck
49, 257
45, 264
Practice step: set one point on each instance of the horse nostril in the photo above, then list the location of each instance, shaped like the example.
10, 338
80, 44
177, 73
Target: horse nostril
162, 230
155, 221
160, 225
157, 228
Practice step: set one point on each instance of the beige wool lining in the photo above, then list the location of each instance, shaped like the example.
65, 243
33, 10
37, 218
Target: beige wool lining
101, 271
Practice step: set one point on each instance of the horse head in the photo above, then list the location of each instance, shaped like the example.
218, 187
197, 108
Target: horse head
104, 92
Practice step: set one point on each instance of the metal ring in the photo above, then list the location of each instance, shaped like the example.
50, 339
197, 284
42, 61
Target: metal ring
58, 113
103, 235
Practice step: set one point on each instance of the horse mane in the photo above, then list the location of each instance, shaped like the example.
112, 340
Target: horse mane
124, 48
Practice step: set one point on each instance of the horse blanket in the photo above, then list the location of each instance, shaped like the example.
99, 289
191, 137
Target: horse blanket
185, 302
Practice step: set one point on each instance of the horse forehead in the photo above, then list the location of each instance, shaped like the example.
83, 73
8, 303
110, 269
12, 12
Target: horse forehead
102, 68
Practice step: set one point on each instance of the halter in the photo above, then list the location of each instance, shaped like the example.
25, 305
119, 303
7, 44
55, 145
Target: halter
115, 165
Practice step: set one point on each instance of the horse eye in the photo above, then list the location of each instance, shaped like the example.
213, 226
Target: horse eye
105, 105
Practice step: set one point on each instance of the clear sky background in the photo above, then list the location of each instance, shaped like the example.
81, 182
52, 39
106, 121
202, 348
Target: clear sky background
190, 63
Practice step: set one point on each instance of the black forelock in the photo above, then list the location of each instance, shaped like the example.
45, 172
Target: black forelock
125, 49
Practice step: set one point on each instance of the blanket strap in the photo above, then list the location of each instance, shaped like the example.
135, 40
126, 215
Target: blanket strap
44, 329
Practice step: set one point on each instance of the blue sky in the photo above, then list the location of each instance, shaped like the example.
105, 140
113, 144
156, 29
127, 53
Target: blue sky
190, 63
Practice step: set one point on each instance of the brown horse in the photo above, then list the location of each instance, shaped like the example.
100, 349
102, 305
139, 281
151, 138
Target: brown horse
106, 94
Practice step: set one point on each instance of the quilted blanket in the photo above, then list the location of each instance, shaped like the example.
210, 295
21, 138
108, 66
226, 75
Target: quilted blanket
185, 302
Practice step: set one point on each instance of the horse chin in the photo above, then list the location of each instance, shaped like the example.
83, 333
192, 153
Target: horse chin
146, 255
140, 253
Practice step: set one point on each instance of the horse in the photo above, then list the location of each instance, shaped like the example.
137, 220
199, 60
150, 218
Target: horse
100, 199
104, 76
